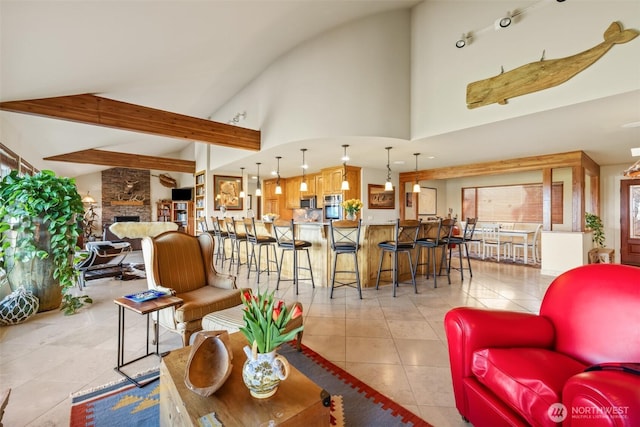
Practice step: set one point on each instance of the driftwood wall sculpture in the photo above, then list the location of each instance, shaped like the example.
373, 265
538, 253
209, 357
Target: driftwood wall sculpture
542, 74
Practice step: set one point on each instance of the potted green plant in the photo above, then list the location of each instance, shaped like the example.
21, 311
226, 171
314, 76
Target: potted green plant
599, 252
40, 222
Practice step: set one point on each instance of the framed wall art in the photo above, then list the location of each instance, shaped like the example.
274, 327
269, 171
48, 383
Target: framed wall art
227, 192
380, 199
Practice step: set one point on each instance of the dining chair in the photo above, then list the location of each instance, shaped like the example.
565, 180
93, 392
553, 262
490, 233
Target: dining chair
491, 240
532, 245
404, 241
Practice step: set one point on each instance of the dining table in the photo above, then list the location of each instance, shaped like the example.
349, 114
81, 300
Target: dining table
526, 235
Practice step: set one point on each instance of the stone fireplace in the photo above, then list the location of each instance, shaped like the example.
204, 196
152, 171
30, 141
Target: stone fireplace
126, 193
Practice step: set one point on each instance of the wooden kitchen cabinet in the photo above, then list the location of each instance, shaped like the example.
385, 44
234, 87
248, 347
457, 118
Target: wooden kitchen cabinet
292, 192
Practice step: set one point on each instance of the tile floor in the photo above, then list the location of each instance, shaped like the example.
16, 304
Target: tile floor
396, 345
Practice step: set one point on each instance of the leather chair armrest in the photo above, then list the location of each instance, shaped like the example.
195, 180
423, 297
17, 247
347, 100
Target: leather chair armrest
602, 399
470, 329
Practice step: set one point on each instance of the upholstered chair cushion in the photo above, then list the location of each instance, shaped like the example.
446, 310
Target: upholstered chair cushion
529, 380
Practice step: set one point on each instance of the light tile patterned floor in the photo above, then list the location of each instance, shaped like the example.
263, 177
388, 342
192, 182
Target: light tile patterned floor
396, 345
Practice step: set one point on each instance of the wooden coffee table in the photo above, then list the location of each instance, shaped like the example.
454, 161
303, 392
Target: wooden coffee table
298, 401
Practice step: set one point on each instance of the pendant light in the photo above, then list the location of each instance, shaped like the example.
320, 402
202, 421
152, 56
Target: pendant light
258, 190
345, 184
242, 193
416, 186
388, 186
303, 184
278, 187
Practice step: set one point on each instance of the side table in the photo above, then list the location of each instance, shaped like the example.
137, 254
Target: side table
145, 307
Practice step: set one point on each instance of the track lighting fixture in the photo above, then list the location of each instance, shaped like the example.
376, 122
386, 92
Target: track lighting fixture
416, 186
465, 39
278, 187
388, 186
503, 22
258, 189
303, 184
242, 193
345, 184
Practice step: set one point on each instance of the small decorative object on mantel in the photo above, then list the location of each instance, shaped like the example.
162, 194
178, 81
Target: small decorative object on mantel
352, 207
265, 321
209, 363
542, 74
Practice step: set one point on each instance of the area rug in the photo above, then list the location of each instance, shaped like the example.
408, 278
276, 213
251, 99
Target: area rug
119, 403
353, 403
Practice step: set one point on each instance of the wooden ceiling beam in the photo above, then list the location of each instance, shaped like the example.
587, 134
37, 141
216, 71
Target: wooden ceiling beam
95, 110
134, 161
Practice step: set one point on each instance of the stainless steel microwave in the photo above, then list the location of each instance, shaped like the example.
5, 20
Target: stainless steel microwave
308, 202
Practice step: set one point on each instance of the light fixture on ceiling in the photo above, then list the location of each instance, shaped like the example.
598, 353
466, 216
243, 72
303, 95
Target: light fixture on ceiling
388, 186
278, 187
303, 184
242, 193
88, 199
258, 189
635, 151
416, 186
503, 22
465, 39
238, 118
345, 184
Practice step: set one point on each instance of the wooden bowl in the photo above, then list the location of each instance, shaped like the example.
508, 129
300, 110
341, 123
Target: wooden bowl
209, 363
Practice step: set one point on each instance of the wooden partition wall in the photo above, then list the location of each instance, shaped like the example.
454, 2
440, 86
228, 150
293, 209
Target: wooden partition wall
582, 167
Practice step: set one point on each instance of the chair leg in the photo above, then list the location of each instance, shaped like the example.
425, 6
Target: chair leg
432, 256
313, 284
251, 260
413, 274
395, 272
466, 249
280, 270
379, 269
295, 270
333, 276
355, 260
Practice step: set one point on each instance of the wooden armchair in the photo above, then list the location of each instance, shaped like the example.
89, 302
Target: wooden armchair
182, 264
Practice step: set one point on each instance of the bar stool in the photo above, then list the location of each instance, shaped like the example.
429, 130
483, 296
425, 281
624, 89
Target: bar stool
284, 231
405, 235
236, 239
345, 239
221, 237
259, 240
431, 241
460, 241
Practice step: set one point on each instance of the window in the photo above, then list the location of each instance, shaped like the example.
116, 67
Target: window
11, 161
511, 203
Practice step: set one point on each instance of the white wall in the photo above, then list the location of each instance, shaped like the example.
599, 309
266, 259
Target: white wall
351, 81
441, 72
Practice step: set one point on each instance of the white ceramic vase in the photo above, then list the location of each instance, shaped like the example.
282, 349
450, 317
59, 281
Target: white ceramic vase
262, 372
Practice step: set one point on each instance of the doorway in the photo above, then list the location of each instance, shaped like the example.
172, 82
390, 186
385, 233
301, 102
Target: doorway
630, 221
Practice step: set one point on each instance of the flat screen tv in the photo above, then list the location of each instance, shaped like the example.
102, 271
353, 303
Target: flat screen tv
182, 193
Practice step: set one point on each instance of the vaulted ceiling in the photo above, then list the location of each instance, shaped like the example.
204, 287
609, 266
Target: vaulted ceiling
191, 57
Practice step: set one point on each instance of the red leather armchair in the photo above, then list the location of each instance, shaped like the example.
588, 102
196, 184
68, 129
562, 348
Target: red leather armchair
520, 369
